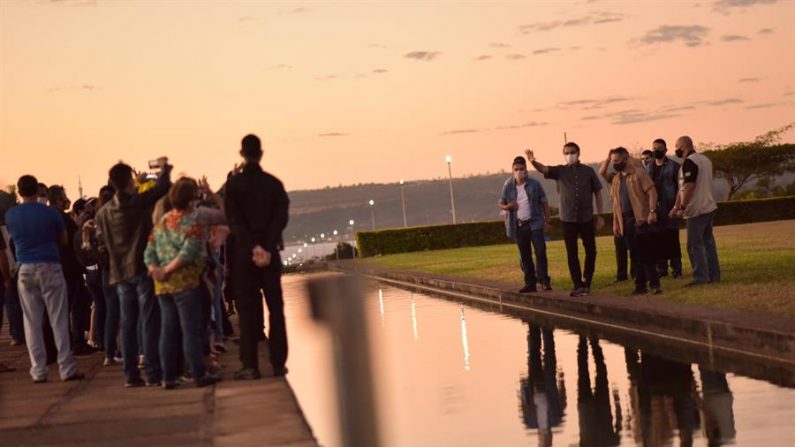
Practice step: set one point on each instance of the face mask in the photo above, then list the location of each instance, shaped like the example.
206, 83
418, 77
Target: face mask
42, 200
679, 153
659, 155
572, 158
520, 175
619, 166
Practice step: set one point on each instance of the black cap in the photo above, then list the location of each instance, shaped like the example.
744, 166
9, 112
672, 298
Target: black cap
519, 161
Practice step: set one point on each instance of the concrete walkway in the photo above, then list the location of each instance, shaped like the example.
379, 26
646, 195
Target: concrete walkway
99, 411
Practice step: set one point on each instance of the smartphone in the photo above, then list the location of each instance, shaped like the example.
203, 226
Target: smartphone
154, 164
151, 176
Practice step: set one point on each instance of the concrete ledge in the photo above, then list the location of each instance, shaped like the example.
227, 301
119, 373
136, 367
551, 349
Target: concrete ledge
761, 346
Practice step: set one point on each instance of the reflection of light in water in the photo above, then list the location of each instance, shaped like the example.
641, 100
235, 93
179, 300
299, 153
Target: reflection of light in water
381, 303
414, 317
464, 339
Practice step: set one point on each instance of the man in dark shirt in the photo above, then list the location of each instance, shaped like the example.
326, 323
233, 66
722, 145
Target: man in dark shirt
123, 226
257, 212
79, 301
665, 173
579, 186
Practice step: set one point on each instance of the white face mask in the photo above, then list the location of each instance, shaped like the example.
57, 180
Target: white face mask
520, 175
42, 200
572, 158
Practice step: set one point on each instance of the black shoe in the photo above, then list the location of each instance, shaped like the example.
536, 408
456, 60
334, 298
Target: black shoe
247, 374
621, 278
170, 385
662, 274
639, 291
134, 383
676, 275
280, 371
82, 350
580, 291
153, 383
75, 376
207, 380
528, 289
546, 285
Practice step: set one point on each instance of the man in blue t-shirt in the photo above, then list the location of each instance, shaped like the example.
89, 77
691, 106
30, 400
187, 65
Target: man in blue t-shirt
37, 232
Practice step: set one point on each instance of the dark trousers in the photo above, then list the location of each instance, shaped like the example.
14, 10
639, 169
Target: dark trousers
621, 258
10, 298
139, 309
528, 240
79, 309
587, 232
94, 285
112, 317
250, 283
675, 257
640, 253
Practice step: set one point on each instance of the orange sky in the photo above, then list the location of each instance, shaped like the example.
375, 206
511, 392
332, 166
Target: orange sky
348, 92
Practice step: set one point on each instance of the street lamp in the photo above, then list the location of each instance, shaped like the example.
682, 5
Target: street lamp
403, 204
449, 160
372, 211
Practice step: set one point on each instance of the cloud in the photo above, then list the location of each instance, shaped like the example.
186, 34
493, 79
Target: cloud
677, 108
749, 80
380, 71
691, 35
482, 57
636, 116
546, 50
460, 131
377, 45
789, 94
514, 57
280, 67
523, 125
300, 10
765, 31
591, 117
593, 103
727, 5
84, 88
767, 105
596, 18
499, 45
246, 19
733, 38
422, 55
327, 77
723, 102
332, 134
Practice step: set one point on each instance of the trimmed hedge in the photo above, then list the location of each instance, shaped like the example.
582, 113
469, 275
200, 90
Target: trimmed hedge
439, 237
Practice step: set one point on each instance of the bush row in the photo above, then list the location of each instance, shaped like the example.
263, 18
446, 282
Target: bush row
438, 237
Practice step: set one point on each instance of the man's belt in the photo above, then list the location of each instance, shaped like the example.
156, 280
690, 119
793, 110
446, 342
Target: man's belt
522, 223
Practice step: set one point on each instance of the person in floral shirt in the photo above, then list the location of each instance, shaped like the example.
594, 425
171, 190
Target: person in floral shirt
176, 257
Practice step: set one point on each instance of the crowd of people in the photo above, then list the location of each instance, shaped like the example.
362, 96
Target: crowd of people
651, 195
142, 273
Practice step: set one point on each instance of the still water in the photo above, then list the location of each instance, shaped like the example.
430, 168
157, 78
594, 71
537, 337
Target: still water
451, 375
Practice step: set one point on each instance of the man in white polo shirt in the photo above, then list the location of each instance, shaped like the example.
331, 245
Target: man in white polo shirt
697, 206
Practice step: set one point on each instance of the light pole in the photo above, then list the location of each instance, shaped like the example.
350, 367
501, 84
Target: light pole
337, 248
449, 160
372, 212
403, 204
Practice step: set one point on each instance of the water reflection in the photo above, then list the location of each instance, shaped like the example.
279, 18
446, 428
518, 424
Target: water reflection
464, 339
414, 318
593, 404
718, 408
543, 392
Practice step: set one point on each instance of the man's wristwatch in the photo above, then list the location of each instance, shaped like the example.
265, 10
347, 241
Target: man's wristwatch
652, 211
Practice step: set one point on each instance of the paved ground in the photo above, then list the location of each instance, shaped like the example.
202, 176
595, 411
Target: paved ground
99, 411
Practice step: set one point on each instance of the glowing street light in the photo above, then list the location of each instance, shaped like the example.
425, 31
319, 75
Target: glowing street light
372, 211
449, 160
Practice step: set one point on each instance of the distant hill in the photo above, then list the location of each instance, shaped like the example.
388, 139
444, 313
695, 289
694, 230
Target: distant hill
427, 203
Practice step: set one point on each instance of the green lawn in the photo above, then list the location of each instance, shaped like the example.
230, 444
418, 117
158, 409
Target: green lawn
757, 268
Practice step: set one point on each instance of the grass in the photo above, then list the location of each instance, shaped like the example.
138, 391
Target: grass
757, 268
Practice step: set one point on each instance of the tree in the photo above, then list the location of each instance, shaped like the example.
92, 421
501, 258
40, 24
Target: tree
745, 161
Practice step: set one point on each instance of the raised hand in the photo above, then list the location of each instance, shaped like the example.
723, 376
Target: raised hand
529, 155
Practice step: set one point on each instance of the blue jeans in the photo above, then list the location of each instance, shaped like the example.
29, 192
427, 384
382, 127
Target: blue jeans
112, 316
14, 309
138, 304
701, 249
181, 312
528, 240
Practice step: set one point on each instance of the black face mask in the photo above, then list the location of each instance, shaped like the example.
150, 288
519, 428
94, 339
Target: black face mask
659, 155
679, 153
619, 166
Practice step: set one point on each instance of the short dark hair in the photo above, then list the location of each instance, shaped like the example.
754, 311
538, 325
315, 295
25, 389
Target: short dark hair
54, 193
251, 147
28, 186
573, 145
660, 141
620, 151
519, 161
646, 152
184, 191
120, 176
79, 205
41, 186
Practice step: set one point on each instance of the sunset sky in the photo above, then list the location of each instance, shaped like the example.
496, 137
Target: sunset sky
349, 92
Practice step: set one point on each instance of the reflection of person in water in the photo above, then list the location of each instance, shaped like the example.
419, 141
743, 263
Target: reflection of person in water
717, 408
664, 399
593, 405
543, 394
